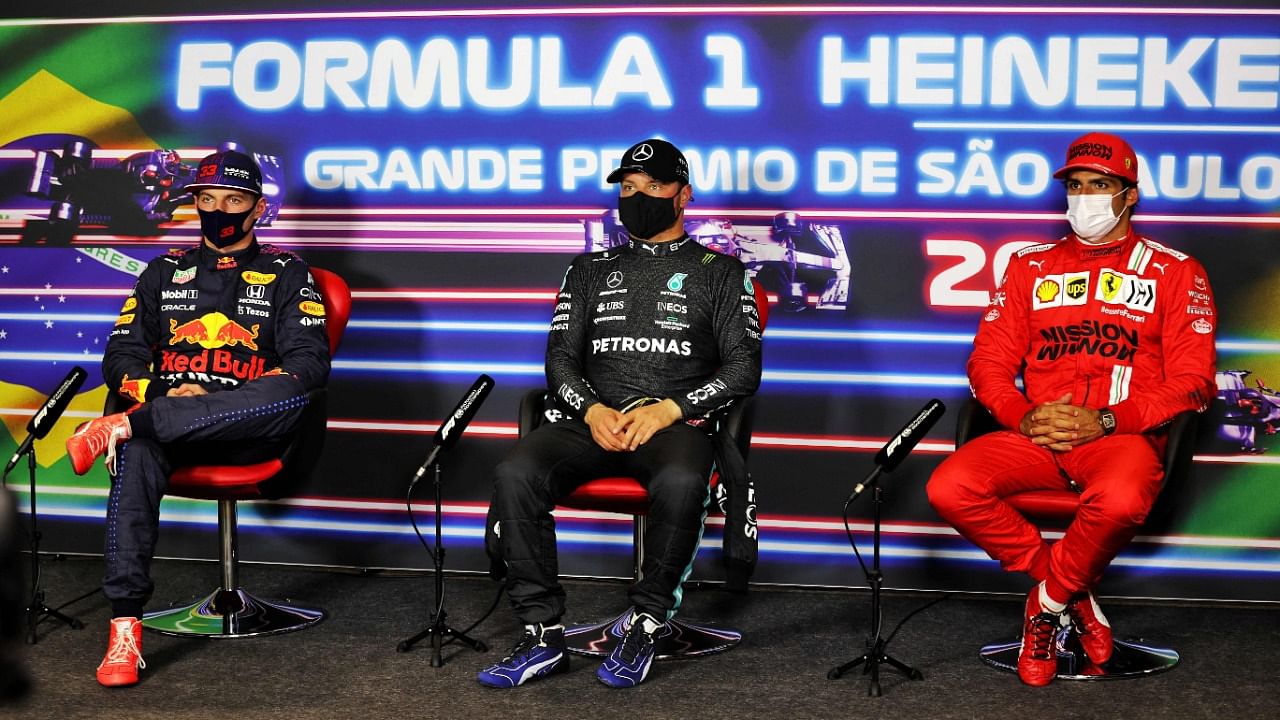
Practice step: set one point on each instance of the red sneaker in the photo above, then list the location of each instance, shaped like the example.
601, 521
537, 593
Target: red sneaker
1038, 658
98, 437
124, 654
1092, 627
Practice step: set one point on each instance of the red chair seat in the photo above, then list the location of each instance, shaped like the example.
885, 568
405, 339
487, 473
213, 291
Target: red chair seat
615, 494
223, 482
1055, 504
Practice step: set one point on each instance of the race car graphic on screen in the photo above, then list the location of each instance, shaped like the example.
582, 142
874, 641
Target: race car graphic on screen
1245, 411
804, 263
133, 195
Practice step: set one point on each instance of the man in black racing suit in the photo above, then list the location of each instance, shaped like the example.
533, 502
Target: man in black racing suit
219, 344
646, 341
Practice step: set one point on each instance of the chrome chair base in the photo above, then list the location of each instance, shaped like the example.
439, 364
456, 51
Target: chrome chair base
680, 639
232, 614
1129, 658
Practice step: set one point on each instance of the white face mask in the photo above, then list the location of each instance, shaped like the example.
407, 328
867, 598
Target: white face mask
1091, 216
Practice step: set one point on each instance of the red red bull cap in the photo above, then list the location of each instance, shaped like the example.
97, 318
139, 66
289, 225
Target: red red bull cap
228, 169
1103, 153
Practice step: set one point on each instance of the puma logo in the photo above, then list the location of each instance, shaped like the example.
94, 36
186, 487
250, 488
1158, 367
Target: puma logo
1037, 264
1160, 266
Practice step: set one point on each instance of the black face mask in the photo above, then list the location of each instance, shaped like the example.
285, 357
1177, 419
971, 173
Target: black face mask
223, 229
645, 216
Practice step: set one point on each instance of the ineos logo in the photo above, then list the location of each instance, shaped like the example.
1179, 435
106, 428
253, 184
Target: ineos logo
614, 279
642, 153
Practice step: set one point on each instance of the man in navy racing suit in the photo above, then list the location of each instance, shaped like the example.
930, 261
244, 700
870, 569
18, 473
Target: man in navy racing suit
646, 340
218, 344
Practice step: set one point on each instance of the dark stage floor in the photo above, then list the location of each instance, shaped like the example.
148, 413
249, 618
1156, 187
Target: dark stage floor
347, 667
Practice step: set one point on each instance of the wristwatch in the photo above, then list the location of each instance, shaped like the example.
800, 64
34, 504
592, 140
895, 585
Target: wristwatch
1107, 420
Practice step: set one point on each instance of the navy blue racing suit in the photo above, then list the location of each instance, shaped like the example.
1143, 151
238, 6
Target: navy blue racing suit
249, 328
640, 323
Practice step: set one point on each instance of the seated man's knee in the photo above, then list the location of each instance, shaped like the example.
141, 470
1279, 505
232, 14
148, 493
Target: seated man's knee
513, 475
949, 488
680, 485
1122, 506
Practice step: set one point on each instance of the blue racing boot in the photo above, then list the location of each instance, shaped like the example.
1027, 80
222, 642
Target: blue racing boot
538, 654
628, 664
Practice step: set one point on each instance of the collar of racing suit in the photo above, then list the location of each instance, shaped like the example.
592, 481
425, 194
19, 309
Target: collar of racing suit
213, 260
658, 249
1086, 251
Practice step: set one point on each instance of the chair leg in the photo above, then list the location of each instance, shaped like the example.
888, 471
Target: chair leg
1129, 658
639, 525
230, 611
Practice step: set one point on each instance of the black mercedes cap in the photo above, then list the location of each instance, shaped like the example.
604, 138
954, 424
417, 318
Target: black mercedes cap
656, 158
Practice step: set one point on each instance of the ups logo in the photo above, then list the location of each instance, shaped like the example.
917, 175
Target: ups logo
1077, 288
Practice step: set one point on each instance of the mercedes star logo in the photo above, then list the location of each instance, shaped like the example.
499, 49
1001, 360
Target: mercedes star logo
614, 279
642, 153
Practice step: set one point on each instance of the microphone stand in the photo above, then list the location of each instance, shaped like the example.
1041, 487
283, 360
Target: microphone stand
37, 608
438, 630
875, 654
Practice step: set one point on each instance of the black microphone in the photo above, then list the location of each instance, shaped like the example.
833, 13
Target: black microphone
451, 429
45, 418
900, 446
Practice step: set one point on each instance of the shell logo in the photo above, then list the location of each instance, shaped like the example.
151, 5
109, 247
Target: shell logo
1047, 290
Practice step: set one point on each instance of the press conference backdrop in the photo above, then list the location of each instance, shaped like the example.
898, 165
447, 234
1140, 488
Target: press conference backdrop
874, 167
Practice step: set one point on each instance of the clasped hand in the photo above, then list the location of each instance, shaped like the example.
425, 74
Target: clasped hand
618, 432
1060, 426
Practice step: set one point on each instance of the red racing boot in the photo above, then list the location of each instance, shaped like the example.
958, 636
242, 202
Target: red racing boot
1038, 658
1092, 627
124, 654
98, 437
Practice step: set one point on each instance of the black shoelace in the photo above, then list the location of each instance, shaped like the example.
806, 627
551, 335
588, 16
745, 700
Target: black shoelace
523, 647
1042, 628
635, 639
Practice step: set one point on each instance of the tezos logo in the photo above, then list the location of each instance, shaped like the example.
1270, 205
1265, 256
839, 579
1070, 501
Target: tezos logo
676, 282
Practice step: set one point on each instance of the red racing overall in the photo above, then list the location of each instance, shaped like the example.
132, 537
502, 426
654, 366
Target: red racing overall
1127, 326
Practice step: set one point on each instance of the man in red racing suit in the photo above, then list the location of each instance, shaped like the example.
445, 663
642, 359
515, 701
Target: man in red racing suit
1113, 335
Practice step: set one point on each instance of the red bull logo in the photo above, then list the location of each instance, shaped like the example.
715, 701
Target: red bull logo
213, 330
233, 333
136, 389
192, 331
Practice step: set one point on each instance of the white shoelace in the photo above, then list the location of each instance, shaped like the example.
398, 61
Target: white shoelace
122, 648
